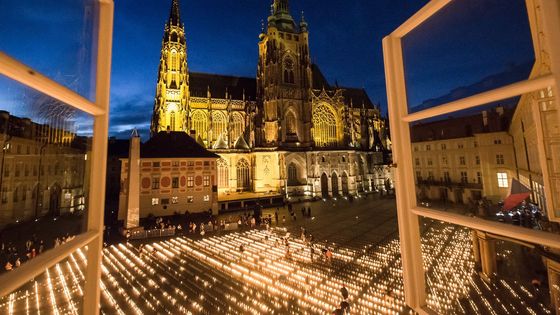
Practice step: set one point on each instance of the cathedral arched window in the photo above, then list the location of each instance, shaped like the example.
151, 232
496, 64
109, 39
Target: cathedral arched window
243, 174
292, 174
173, 62
289, 71
324, 126
219, 124
199, 122
291, 123
223, 173
238, 126
172, 121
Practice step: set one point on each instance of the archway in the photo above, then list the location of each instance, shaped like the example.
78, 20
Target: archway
324, 186
334, 179
54, 199
345, 190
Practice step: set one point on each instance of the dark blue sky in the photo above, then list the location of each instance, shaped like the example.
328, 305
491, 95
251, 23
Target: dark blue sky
472, 40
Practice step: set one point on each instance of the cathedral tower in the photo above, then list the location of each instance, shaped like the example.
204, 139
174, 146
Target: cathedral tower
172, 92
284, 81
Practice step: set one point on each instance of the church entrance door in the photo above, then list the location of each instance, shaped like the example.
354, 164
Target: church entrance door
324, 186
334, 179
345, 190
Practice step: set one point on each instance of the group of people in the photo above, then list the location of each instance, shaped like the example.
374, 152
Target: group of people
11, 258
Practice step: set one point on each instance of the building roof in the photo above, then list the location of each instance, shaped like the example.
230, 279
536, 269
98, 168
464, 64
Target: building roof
357, 97
199, 83
461, 127
174, 144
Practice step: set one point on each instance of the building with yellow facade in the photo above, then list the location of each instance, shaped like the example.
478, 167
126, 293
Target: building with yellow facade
285, 132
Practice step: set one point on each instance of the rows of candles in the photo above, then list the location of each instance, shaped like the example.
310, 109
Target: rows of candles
212, 275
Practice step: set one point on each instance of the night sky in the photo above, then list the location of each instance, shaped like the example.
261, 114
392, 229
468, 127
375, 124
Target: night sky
472, 40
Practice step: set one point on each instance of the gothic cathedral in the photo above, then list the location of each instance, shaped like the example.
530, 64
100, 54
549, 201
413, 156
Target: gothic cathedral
285, 132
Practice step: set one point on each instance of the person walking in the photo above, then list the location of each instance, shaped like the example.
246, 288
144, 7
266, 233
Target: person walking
276, 216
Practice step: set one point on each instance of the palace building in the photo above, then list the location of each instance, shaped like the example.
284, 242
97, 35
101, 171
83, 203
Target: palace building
287, 132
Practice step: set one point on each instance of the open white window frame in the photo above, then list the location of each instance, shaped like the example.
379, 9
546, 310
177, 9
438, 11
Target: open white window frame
407, 210
93, 237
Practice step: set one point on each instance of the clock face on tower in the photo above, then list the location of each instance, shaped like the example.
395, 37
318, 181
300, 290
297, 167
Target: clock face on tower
288, 64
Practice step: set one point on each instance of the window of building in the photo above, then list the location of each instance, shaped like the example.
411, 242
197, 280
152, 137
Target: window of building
499, 159
206, 163
325, 132
417, 161
497, 141
460, 146
292, 174
175, 182
476, 144
155, 182
223, 173
237, 126
289, 71
415, 149
155, 201
503, 180
175, 163
477, 159
219, 125
199, 123
464, 177
428, 147
190, 181
190, 163
479, 177
174, 200
430, 175
430, 162
418, 175
462, 160
444, 160
446, 177
155, 164
443, 146
323, 159
243, 174
190, 199
17, 172
206, 180
165, 201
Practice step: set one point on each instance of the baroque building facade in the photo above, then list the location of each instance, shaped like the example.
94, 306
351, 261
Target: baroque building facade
285, 132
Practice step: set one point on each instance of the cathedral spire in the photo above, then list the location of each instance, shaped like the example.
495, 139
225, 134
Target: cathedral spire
281, 6
174, 13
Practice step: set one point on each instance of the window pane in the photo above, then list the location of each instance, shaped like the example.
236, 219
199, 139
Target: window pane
491, 165
467, 48
471, 272
44, 171
59, 290
56, 40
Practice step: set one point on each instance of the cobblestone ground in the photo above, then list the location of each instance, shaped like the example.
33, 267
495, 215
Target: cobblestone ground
250, 272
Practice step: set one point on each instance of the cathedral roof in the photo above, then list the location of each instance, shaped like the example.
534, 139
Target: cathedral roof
355, 95
174, 144
220, 84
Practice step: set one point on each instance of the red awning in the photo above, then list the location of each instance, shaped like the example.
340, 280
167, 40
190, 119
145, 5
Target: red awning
513, 200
